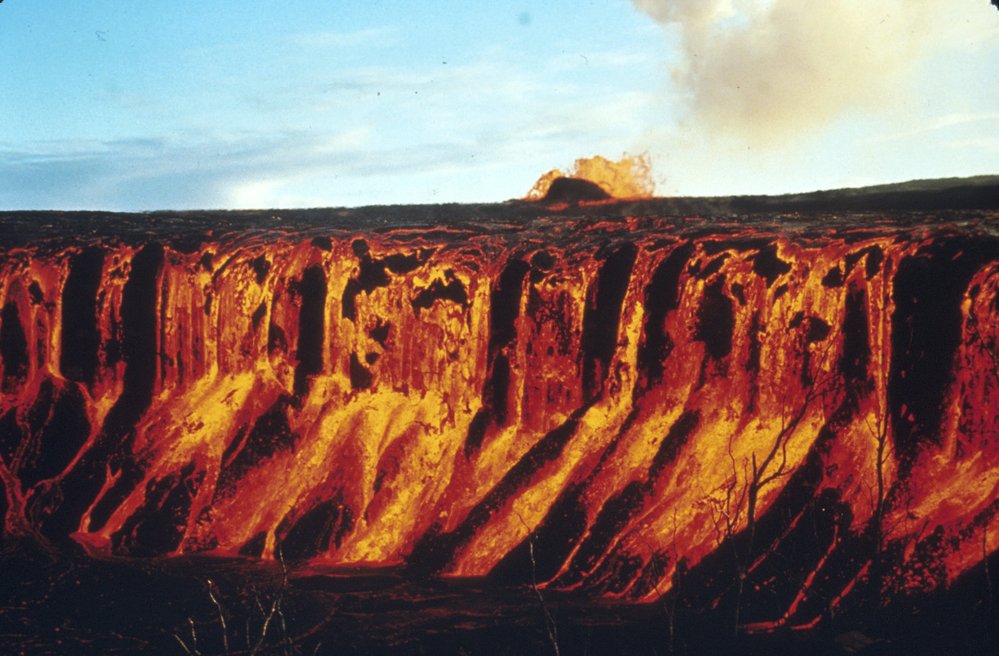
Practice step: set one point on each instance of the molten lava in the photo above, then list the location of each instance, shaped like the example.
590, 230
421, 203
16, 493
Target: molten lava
629, 177
621, 397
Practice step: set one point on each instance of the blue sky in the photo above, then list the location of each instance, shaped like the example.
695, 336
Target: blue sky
111, 104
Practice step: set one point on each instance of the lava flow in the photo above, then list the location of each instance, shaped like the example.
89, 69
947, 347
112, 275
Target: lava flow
605, 403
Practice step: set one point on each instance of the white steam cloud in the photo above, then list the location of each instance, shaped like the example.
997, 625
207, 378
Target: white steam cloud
767, 71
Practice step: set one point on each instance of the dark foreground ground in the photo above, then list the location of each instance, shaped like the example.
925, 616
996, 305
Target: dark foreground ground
80, 605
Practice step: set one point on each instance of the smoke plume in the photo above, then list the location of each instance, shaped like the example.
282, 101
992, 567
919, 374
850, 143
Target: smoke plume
767, 71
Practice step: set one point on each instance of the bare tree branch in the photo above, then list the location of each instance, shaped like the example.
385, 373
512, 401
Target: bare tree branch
218, 607
550, 625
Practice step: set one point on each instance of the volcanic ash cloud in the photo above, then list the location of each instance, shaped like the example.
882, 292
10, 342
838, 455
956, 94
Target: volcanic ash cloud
768, 71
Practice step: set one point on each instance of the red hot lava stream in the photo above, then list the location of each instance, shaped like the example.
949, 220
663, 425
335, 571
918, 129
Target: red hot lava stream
623, 395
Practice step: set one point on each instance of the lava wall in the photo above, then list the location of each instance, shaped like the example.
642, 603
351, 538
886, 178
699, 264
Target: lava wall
603, 405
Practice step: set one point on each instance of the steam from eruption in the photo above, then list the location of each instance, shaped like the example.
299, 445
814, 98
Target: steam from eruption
768, 71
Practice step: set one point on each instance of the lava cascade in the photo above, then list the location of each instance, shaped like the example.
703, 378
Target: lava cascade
602, 404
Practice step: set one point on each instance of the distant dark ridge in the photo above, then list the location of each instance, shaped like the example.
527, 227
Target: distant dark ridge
193, 226
978, 192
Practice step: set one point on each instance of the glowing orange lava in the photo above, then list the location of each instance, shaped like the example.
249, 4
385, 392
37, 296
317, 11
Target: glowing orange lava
629, 177
621, 396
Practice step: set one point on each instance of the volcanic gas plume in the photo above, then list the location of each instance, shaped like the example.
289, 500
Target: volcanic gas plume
771, 71
607, 401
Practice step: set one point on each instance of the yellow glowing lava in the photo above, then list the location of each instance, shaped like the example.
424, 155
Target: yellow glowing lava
629, 177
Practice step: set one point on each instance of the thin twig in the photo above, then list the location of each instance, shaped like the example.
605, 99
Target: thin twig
284, 632
182, 644
265, 627
550, 625
657, 574
218, 607
194, 637
275, 605
549, 620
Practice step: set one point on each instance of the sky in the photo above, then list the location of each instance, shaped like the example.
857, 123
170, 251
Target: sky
121, 105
